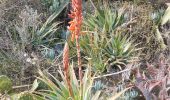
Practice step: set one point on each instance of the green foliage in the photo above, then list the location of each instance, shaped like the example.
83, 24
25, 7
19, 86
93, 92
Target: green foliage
31, 32
92, 46
157, 16
101, 44
132, 93
59, 90
53, 5
45, 34
26, 95
104, 52
5, 84
98, 85
117, 95
119, 51
48, 53
33, 35
104, 20
105, 45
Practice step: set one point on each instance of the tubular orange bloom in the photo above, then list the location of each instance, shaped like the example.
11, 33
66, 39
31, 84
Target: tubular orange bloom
66, 67
75, 26
76, 15
66, 57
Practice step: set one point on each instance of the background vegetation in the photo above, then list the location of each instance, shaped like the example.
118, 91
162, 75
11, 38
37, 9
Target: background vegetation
124, 50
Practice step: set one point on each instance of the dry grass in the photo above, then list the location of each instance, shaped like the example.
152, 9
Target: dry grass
15, 61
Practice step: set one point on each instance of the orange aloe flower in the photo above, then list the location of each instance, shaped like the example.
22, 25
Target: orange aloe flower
66, 67
75, 26
76, 15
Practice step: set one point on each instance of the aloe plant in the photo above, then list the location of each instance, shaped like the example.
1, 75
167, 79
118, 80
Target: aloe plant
54, 5
104, 20
120, 50
31, 34
58, 90
48, 34
101, 44
117, 51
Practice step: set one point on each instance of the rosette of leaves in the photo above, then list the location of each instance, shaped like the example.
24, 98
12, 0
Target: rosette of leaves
59, 90
104, 19
119, 51
105, 53
32, 35
48, 35
100, 27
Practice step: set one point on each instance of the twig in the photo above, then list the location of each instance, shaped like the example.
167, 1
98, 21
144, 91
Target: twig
93, 4
21, 86
106, 75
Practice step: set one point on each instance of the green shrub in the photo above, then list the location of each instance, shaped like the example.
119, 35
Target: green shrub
5, 84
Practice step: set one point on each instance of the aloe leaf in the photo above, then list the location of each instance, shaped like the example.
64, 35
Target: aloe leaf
96, 96
35, 85
54, 15
160, 38
118, 94
166, 16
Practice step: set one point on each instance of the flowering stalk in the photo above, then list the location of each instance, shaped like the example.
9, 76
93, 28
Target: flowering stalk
75, 26
66, 67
